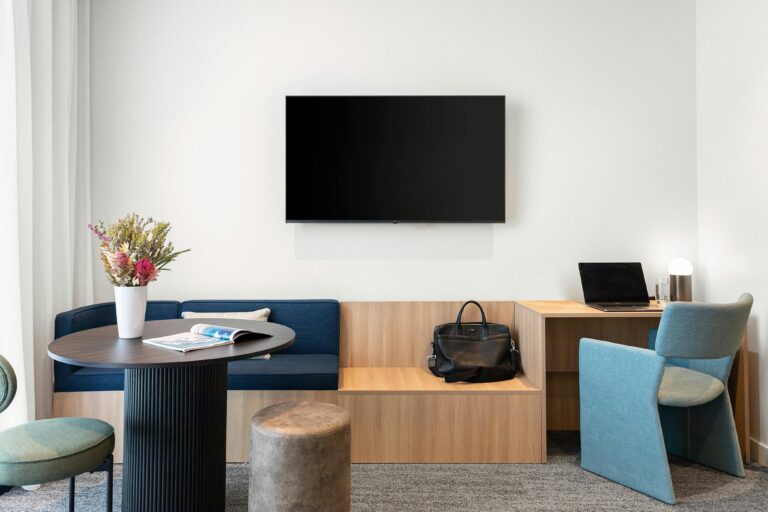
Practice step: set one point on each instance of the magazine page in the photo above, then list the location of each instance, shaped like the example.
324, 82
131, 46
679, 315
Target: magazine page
216, 331
185, 341
227, 333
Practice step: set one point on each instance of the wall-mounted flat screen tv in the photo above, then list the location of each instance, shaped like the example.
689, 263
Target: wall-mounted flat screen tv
395, 158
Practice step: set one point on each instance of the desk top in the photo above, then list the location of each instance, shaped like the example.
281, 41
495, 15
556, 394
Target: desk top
102, 348
573, 309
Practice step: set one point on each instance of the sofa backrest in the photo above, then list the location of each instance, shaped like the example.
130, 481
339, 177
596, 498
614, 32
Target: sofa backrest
316, 322
99, 315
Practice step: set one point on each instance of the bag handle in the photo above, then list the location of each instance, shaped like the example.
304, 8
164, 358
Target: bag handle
461, 311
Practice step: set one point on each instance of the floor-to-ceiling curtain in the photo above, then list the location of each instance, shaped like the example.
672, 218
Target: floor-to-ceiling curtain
45, 252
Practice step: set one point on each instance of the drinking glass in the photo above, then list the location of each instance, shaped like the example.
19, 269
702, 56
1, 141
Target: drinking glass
662, 290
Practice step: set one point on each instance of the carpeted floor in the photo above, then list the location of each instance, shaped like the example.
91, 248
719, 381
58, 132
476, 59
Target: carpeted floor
559, 485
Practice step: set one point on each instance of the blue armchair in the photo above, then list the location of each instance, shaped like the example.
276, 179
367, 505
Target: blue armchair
638, 404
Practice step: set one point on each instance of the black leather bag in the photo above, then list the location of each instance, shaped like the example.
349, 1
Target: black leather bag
473, 351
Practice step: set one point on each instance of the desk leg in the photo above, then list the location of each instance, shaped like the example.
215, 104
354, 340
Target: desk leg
738, 387
175, 438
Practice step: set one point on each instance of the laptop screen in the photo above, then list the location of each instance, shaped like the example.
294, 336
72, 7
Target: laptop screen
613, 282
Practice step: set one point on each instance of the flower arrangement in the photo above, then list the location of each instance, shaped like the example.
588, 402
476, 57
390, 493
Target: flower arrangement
134, 249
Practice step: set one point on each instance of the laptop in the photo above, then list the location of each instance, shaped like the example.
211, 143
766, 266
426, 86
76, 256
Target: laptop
615, 287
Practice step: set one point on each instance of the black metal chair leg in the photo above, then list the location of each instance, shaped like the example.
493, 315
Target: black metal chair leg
72, 494
110, 469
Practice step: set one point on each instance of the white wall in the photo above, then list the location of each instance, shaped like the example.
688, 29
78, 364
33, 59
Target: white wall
601, 142
732, 81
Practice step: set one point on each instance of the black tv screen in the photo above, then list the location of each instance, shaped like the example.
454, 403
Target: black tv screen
395, 158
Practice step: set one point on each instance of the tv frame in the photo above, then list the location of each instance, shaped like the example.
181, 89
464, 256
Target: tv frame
503, 219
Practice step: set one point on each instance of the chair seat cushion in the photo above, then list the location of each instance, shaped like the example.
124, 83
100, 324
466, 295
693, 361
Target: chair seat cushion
681, 387
286, 372
48, 450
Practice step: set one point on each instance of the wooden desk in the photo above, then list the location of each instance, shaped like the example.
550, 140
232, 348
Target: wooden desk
557, 327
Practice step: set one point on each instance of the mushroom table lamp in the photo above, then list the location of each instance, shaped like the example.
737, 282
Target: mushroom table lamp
680, 280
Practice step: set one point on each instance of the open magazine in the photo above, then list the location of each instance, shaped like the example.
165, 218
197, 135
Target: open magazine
204, 336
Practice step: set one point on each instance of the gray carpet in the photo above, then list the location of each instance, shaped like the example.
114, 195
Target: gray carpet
556, 486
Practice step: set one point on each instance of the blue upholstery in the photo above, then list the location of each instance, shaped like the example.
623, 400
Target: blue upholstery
631, 413
621, 437
316, 322
703, 331
92, 379
90, 317
311, 363
281, 371
286, 371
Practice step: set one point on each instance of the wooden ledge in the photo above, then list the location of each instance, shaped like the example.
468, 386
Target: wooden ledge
573, 309
411, 380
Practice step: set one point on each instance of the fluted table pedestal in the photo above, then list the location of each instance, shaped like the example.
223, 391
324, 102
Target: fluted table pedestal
175, 438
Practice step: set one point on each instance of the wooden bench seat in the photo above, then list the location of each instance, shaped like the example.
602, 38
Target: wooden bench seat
402, 413
407, 415
410, 380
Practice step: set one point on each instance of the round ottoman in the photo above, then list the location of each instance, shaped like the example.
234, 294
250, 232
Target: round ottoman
300, 459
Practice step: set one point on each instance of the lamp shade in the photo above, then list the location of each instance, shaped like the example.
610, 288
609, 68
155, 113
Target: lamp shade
680, 267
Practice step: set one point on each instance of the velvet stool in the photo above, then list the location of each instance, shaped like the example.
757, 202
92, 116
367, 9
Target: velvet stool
300, 456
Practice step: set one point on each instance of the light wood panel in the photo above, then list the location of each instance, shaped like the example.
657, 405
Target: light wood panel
382, 334
528, 332
241, 406
563, 401
738, 388
102, 405
444, 428
367, 380
573, 309
564, 334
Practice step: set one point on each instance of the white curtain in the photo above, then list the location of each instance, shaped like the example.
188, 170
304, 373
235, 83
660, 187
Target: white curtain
46, 254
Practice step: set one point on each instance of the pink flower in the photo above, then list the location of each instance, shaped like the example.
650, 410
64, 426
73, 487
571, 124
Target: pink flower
144, 272
121, 260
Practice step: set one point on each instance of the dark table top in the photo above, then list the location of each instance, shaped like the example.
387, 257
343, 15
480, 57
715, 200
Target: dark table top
102, 348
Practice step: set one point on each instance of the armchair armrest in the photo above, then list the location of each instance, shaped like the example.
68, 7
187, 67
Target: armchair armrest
621, 436
619, 374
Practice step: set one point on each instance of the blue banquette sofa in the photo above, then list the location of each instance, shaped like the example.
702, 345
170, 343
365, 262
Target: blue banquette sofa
311, 363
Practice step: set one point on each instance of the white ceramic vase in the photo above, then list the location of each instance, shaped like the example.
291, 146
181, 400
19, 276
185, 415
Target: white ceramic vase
131, 305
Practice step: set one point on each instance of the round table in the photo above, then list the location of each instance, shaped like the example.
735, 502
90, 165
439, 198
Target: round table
175, 420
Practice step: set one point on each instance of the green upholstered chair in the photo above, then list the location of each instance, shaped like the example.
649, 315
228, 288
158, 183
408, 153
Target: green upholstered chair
54, 449
638, 404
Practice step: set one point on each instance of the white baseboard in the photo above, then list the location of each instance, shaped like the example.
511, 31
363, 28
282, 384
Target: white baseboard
758, 452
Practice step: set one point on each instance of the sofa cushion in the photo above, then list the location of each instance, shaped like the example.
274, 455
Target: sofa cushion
282, 371
316, 322
285, 371
261, 315
93, 379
